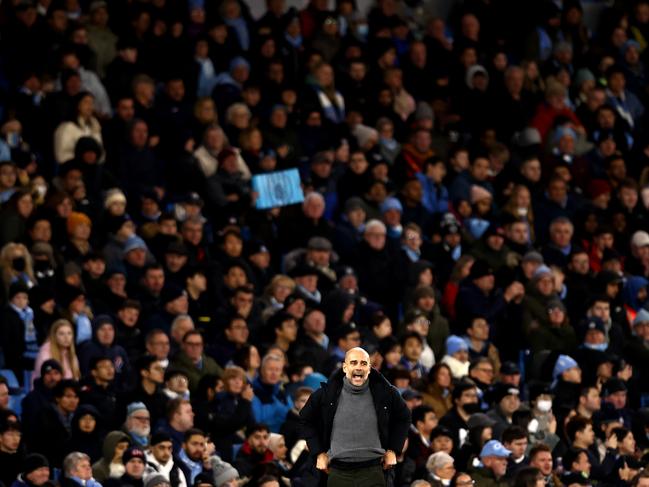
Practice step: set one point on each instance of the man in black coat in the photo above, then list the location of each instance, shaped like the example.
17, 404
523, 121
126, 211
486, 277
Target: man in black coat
479, 296
98, 389
312, 345
41, 397
356, 398
11, 455
379, 275
53, 426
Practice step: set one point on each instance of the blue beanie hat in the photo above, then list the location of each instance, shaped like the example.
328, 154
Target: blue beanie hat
391, 203
455, 344
563, 363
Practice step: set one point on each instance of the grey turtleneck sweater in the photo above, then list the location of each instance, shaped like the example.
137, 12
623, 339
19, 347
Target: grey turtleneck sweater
355, 434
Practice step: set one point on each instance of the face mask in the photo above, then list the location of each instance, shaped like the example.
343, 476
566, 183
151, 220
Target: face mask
18, 264
596, 346
41, 265
533, 426
544, 405
472, 408
363, 30
40, 190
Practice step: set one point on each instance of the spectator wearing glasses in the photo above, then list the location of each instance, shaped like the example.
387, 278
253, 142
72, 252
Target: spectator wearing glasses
441, 469
138, 424
158, 345
192, 360
481, 371
494, 465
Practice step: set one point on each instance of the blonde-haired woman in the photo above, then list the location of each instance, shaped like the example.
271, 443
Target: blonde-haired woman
60, 347
519, 205
279, 288
17, 265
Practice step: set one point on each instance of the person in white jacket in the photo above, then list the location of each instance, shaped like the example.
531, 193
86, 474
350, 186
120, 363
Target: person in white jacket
457, 356
214, 141
160, 460
84, 124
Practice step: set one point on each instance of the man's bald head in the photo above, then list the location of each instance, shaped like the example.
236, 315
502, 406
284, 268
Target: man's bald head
356, 366
356, 350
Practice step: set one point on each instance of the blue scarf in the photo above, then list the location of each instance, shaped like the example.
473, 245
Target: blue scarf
241, 29
195, 468
413, 255
142, 441
206, 78
295, 42
27, 317
83, 327
389, 144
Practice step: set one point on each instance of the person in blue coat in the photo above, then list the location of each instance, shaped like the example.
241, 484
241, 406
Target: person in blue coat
271, 404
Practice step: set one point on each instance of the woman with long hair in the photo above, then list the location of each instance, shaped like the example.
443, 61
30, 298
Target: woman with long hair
60, 347
280, 288
16, 264
83, 123
438, 391
519, 205
14, 215
248, 358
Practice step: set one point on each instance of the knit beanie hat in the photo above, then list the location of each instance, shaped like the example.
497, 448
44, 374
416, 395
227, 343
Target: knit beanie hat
563, 363
455, 344
133, 452
424, 111
222, 471
365, 134
135, 407
641, 317
155, 480
34, 461
75, 219
542, 271
114, 195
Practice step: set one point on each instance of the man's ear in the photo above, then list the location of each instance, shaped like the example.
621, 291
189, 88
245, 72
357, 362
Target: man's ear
345, 367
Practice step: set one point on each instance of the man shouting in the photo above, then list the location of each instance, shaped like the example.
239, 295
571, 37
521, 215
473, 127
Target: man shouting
355, 424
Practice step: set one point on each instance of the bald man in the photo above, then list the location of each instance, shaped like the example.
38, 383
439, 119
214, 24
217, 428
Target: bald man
356, 424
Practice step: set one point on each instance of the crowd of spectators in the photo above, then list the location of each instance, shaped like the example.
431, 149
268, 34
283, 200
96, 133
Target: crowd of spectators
475, 216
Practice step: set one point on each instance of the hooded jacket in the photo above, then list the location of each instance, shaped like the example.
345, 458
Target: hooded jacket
88, 443
101, 469
117, 354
